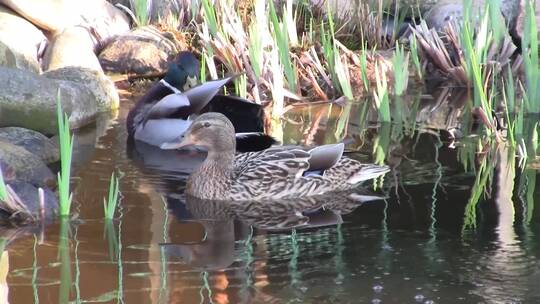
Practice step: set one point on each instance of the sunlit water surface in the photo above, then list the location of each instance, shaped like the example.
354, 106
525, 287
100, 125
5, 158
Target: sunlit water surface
422, 244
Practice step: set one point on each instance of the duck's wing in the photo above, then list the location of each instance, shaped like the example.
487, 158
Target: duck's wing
182, 105
166, 107
200, 95
269, 174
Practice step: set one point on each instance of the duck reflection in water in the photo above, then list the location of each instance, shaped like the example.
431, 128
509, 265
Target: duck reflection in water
225, 222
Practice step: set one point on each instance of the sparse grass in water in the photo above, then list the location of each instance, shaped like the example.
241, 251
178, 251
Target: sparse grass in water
109, 205
363, 66
415, 55
342, 74
3, 187
141, 10
281, 38
530, 60
66, 149
382, 101
400, 63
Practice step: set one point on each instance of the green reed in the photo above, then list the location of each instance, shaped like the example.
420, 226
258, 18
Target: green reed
400, 64
210, 17
363, 66
3, 187
280, 33
415, 55
382, 102
484, 175
529, 44
141, 11
109, 205
66, 150
256, 55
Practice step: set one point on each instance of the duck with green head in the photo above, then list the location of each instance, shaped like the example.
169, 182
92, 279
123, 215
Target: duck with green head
162, 114
273, 174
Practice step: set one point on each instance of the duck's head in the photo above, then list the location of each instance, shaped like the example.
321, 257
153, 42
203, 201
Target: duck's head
183, 72
212, 131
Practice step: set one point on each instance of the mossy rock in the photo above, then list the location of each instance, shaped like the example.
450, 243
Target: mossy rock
27, 167
34, 142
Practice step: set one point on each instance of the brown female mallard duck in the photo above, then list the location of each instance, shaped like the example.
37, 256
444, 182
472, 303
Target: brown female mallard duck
275, 173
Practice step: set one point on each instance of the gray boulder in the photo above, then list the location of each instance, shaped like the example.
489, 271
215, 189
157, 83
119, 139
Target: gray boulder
34, 142
26, 166
143, 51
19, 41
94, 82
29, 195
29, 101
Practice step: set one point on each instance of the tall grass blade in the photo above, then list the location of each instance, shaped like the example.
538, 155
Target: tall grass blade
281, 38
529, 45
66, 149
3, 187
109, 205
382, 101
400, 63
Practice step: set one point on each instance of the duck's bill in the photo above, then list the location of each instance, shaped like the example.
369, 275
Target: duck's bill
176, 145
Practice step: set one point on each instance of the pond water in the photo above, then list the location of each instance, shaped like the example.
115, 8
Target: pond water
426, 240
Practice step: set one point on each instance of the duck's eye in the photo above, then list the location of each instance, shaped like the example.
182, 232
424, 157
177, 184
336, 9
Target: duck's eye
206, 124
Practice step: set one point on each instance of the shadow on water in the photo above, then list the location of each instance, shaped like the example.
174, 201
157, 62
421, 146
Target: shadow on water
455, 222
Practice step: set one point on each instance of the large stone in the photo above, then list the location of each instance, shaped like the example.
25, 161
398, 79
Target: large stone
57, 15
27, 167
19, 41
143, 51
34, 142
29, 195
29, 100
72, 47
95, 82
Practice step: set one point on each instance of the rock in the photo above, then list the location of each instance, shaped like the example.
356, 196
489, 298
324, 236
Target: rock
27, 167
452, 11
29, 195
16, 52
143, 51
72, 47
95, 82
34, 142
56, 15
29, 101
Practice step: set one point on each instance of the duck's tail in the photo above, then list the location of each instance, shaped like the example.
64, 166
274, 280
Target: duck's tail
367, 172
349, 172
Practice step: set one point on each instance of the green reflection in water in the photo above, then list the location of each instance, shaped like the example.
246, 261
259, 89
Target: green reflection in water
432, 229
205, 287
248, 258
163, 284
35, 286
77, 268
484, 174
65, 261
338, 258
293, 264
343, 121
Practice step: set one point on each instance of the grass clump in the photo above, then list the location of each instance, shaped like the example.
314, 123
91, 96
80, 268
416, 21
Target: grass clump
400, 63
3, 187
530, 60
382, 102
66, 149
109, 205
